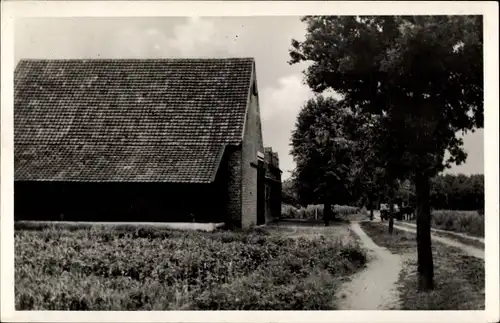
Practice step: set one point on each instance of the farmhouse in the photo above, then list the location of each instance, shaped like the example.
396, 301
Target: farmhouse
169, 140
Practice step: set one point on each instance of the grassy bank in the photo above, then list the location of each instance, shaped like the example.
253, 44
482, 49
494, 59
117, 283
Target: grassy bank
450, 235
469, 222
459, 278
159, 269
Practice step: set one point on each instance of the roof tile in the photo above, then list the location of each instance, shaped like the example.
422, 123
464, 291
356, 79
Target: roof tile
164, 120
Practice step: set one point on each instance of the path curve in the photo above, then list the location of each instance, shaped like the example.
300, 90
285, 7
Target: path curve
472, 251
374, 288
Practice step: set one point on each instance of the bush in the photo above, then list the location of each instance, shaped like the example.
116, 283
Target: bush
470, 222
158, 269
315, 212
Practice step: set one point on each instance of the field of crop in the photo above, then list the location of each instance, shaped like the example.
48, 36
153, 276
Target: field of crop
314, 212
159, 269
471, 222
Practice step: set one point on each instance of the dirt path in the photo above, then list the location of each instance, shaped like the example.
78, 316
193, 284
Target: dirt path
472, 251
375, 287
458, 234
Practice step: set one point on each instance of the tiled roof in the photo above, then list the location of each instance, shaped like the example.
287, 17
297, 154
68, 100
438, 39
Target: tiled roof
165, 120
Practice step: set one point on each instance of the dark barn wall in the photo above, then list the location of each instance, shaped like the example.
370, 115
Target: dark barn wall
136, 202
273, 183
273, 199
229, 180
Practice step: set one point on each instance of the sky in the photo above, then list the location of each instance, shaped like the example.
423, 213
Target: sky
282, 91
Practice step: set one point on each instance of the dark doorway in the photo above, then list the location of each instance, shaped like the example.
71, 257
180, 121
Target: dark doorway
261, 197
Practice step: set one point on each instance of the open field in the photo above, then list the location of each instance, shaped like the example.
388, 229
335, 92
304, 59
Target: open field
459, 278
145, 268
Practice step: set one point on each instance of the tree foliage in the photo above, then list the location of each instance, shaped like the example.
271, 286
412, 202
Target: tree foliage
458, 192
322, 151
423, 72
289, 192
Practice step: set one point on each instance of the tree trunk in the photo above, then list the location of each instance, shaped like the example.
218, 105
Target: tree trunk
391, 208
327, 213
391, 215
424, 247
370, 205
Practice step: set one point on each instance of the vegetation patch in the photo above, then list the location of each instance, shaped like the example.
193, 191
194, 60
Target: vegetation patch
451, 235
459, 279
470, 222
315, 211
159, 269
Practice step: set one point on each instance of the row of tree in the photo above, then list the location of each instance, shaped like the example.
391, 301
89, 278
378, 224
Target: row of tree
408, 85
458, 192
448, 192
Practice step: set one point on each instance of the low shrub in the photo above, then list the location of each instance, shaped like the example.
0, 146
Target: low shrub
158, 269
470, 222
315, 212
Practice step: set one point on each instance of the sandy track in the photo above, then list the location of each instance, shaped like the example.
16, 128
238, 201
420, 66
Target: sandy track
375, 287
458, 234
471, 251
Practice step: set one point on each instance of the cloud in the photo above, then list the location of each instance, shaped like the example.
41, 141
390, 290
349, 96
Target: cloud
474, 146
279, 107
195, 34
286, 98
139, 43
202, 37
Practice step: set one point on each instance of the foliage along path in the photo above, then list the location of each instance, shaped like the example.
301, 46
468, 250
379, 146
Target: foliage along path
375, 287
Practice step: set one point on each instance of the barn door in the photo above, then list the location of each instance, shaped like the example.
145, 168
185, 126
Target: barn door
261, 197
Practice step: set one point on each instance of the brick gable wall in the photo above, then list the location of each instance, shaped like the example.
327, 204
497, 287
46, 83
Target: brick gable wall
252, 143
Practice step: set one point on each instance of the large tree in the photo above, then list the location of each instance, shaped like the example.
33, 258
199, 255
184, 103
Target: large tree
374, 177
458, 192
323, 153
366, 168
424, 74
288, 192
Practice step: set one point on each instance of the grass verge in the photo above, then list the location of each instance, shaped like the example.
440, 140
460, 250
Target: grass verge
459, 278
277, 268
